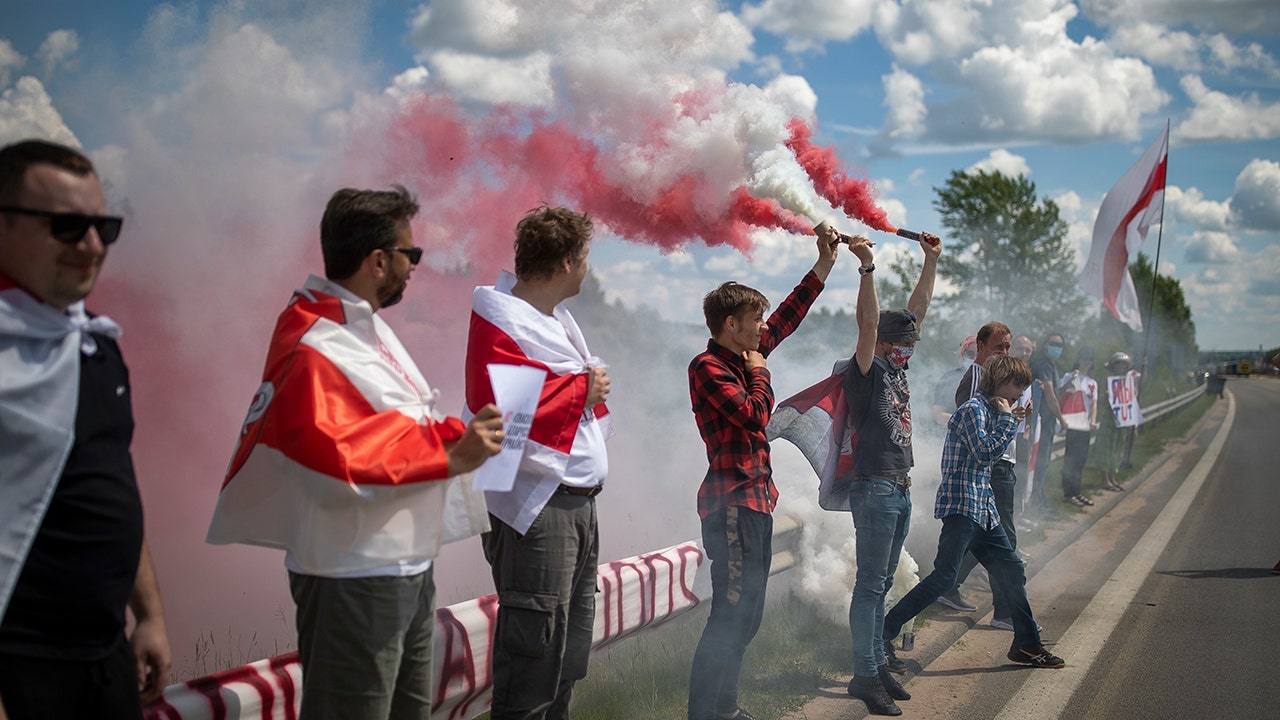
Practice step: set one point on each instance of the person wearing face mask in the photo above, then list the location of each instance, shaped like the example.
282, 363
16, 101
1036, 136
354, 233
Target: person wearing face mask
944, 392
1045, 369
879, 399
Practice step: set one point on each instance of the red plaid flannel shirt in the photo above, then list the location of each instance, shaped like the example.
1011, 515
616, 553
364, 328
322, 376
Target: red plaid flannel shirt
732, 407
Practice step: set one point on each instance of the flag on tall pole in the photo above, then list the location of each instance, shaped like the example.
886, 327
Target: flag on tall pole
1131, 207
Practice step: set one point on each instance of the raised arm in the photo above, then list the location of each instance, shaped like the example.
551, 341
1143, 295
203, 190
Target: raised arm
918, 304
868, 310
827, 252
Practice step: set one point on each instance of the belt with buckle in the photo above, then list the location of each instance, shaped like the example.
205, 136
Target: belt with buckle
902, 481
592, 491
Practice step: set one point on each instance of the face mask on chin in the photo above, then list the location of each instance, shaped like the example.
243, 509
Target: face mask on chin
898, 355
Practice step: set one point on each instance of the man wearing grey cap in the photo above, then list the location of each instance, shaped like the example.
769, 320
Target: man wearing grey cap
876, 390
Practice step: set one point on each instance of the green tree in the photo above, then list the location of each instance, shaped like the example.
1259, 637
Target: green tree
1007, 255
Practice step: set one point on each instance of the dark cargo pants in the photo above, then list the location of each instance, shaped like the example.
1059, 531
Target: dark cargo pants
546, 582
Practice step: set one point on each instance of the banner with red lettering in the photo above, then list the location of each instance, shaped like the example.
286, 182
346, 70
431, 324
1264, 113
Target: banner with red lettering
1122, 391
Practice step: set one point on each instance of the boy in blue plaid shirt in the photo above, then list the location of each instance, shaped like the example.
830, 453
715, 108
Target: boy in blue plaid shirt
977, 435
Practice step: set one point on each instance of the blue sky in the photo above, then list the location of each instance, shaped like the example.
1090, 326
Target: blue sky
1068, 93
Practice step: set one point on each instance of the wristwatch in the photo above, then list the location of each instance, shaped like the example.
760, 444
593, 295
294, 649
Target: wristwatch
867, 269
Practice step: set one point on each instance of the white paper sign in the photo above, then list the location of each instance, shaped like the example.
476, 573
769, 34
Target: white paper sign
1123, 393
516, 389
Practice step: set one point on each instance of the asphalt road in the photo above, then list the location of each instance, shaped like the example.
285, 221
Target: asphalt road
1161, 599
1200, 639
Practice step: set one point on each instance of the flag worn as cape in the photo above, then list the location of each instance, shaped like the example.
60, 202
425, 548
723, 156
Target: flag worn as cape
566, 440
40, 349
341, 460
1127, 212
816, 420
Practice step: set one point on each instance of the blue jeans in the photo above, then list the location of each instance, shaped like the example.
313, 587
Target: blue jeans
881, 518
991, 547
1002, 484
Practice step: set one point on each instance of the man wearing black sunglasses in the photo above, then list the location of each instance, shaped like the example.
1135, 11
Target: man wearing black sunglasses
345, 463
72, 551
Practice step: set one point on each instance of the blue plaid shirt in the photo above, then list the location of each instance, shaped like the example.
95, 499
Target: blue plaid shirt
976, 438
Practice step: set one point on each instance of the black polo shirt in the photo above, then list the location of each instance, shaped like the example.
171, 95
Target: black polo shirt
69, 602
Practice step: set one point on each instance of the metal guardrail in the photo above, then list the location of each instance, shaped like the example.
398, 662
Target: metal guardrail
1172, 404
1152, 412
786, 539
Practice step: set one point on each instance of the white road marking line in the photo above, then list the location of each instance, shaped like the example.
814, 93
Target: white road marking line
1046, 692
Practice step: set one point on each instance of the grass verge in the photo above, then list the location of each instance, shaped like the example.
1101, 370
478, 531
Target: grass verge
647, 677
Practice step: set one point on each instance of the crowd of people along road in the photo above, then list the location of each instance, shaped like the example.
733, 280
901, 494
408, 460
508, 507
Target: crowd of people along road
343, 442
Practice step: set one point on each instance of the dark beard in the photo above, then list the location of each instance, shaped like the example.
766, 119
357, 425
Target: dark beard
391, 294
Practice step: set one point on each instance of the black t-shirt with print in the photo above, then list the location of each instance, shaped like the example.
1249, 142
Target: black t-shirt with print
880, 409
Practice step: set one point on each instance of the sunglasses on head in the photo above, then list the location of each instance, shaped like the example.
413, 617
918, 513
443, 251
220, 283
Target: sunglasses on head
413, 253
71, 227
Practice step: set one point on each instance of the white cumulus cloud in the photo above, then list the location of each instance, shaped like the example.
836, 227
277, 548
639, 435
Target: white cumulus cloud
1004, 162
1211, 248
1229, 15
1159, 45
1009, 69
10, 60
1256, 203
58, 48
1190, 205
808, 23
1218, 116
904, 96
26, 112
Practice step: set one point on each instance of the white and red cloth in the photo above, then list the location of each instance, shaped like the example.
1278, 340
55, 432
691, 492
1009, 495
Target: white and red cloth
1078, 400
566, 443
40, 349
816, 420
1132, 206
341, 460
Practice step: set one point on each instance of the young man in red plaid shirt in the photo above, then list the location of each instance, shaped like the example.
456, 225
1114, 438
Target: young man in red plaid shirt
732, 402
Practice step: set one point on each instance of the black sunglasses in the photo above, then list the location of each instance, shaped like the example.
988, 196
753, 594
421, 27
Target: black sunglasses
413, 253
71, 227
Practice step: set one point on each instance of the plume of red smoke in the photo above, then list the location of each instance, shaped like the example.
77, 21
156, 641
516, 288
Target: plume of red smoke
856, 196
767, 213
498, 167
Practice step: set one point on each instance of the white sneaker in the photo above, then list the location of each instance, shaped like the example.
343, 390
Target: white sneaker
1004, 624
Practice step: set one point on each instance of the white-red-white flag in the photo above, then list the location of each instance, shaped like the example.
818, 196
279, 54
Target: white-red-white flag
1127, 212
